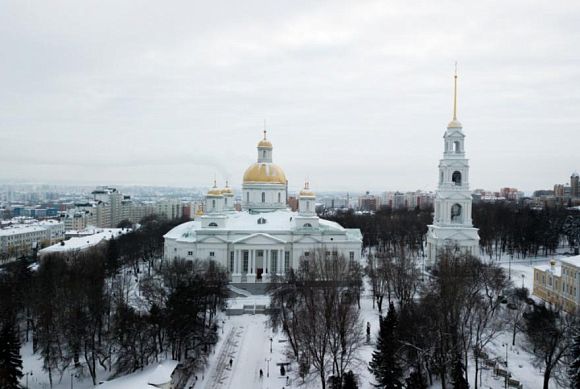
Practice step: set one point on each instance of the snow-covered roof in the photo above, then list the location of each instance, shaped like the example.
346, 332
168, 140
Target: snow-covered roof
556, 270
20, 229
153, 375
573, 261
82, 243
276, 221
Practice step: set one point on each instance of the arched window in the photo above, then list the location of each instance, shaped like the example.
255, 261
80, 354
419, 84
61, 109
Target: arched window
307, 225
279, 197
456, 213
457, 146
213, 204
261, 221
212, 224
441, 177
263, 197
456, 177
247, 197
308, 205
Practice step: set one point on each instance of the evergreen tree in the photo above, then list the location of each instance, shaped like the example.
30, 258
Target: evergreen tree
458, 374
574, 369
349, 381
416, 381
10, 360
385, 362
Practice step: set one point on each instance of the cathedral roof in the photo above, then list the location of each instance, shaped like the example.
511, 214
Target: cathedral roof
244, 222
264, 172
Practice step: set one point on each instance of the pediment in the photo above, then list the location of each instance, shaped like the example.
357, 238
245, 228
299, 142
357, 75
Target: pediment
212, 239
260, 239
308, 239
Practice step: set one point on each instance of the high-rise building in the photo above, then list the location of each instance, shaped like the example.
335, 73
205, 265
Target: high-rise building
452, 224
575, 185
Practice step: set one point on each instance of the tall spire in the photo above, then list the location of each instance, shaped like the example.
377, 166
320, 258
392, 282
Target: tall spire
455, 95
454, 123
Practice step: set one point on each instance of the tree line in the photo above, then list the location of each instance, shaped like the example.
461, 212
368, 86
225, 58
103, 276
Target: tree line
455, 315
112, 308
504, 228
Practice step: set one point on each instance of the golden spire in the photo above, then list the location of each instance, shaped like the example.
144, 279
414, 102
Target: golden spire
455, 95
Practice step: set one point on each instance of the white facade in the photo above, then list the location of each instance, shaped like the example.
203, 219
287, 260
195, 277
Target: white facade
265, 238
22, 239
452, 224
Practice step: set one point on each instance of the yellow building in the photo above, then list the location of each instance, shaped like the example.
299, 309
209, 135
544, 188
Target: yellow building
559, 283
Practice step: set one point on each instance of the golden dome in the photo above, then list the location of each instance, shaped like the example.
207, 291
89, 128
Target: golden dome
306, 192
265, 143
227, 190
265, 173
199, 212
454, 124
214, 191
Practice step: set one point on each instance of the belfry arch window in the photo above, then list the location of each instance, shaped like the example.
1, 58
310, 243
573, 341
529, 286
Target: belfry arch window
279, 197
456, 213
441, 177
247, 197
213, 204
457, 146
263, 197
264, 154
456, 177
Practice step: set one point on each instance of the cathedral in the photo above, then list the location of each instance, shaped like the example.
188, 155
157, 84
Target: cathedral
452, 225
265, 238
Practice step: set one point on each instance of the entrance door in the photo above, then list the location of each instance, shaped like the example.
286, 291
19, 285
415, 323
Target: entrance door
259, 272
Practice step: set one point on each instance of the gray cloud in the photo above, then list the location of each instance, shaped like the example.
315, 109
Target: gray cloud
356, 94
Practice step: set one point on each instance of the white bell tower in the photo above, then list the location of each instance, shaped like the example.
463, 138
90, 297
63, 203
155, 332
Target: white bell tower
452, 225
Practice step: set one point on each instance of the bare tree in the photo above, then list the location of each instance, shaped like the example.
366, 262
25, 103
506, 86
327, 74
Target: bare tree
549, 334
316, 310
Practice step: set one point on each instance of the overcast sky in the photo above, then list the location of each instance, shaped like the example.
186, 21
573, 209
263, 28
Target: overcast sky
356, 94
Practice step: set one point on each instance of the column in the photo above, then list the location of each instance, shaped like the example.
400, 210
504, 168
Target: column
251, 277
280, 262
253, 261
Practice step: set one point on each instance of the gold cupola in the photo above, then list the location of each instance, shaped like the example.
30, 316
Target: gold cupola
214, 191
264, 171
306, 192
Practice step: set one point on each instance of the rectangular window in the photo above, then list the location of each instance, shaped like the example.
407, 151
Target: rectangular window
351, 255
232, 262
190, 253
307, 253
286, 261
211, 254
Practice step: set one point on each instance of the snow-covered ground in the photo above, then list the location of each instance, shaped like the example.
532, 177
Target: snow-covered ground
246, 341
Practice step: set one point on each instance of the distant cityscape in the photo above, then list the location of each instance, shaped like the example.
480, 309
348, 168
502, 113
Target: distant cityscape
38, 216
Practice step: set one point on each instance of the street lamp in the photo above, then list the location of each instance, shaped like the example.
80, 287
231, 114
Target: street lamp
506, 354
27, 374
268, 368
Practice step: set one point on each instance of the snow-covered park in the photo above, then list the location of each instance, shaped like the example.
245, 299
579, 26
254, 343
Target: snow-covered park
247, 345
